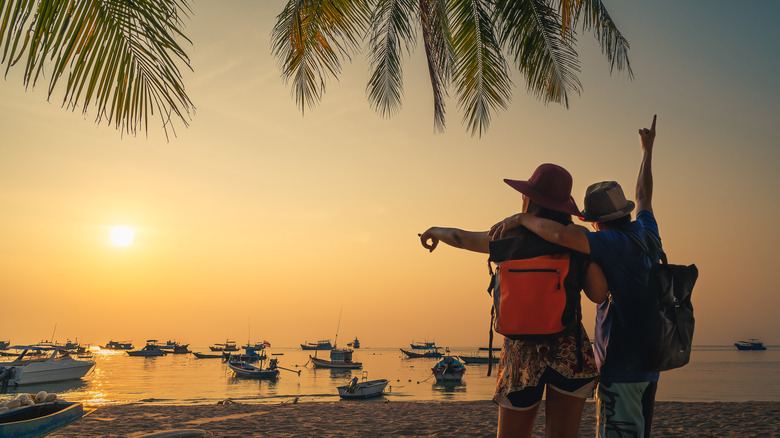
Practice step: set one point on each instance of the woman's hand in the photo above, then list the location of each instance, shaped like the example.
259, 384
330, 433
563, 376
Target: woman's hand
498, 230
429, 234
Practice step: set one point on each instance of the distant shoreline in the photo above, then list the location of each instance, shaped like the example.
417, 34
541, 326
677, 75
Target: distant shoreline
393, 418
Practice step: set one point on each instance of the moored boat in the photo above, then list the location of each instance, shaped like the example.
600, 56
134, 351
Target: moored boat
58, 366
449, 369
414, 355
319, 345
117, 345
150, 350
423, 345
751, 344
354, 344
227, 346
244, 369
477, 359
363, 389
339, 358
39, 419
4, 345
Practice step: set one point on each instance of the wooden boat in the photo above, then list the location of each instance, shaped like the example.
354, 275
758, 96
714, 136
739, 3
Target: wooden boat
118, 345
244, 369
250, 355
319, 345
58, 366
423, 345
175, 347
477, 359
150, 350
414, 355
339, 358
449, 369
39, 419
363, 389
227, 346
209, 355
752, 344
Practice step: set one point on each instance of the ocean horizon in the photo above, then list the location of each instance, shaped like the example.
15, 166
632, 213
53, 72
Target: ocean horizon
715, 373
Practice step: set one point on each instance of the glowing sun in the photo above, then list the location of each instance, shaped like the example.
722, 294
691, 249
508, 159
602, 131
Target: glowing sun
122, 235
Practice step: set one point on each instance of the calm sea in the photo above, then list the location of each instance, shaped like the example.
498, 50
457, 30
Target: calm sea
715, 373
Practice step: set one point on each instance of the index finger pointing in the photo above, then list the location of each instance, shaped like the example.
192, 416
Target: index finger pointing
652, 127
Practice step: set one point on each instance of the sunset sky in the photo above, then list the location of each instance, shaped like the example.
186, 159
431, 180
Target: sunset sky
258, 221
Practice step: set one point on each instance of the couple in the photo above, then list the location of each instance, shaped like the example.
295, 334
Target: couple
616, 268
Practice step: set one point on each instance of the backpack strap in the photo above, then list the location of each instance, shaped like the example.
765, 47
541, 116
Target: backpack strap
490, 342
649, 248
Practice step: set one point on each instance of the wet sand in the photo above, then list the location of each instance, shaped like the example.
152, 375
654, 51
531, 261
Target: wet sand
393, 418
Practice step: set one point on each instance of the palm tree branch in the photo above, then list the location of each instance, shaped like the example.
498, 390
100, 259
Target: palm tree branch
533, 32
310, 37
115, 54
613, 44
390, 32
438, 50
479, 71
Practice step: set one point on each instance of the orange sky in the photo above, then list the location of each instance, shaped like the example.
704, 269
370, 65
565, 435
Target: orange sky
256, 221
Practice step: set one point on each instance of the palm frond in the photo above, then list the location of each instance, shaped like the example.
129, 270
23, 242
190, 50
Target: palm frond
479, 71
533, 32
438, 52
122, 57
613, 44
311, 37
390, 32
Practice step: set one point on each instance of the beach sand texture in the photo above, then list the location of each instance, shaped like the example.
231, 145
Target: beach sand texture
379, 418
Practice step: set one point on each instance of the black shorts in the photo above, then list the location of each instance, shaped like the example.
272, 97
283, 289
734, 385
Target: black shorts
531, 396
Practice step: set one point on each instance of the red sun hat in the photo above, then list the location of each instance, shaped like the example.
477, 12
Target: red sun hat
550, 187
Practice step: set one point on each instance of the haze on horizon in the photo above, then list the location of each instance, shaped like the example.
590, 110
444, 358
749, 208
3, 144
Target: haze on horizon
258, 222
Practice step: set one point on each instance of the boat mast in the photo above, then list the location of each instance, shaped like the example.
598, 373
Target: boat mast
335, 341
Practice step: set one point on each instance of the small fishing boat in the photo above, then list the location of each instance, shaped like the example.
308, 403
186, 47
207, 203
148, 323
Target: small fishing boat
414, 355
423, 345
39, 419
244, 369
751, 344
477, 359
175, 347
249, 355
208, 355
449, 369
363, 389
150, 350
118, 345
354, 344
339, 358
227, 346
319, 345
257, 345
4, 345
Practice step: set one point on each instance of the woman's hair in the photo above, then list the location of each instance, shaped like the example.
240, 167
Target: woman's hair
545, 213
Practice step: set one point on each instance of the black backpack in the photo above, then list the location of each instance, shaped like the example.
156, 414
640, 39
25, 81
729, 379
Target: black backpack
667, 331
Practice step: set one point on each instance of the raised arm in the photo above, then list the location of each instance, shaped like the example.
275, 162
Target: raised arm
644, 183
571, 236
477, 241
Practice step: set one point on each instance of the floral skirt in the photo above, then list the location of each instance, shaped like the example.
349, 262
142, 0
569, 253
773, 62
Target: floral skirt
523, 362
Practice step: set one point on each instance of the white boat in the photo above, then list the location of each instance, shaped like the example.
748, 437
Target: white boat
339, 358
56, 367
363, 389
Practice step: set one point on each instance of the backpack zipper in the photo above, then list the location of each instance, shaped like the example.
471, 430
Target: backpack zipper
542, 270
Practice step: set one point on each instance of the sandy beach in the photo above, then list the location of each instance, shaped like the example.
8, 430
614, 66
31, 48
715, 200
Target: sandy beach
380, 418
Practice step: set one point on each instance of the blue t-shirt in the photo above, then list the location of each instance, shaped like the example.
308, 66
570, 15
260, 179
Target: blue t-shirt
627, 269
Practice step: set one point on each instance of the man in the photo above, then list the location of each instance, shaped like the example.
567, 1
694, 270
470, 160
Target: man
626, 393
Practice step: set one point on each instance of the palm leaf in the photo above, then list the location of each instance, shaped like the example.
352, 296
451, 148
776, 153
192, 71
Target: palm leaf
479, 71
311, 36
438, 52
390, 32
613, 44
121, 57
534, 33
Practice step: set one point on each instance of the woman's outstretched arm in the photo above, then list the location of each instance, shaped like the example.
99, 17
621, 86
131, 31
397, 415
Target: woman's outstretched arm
477, 241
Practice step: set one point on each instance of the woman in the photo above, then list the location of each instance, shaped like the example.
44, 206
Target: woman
565, 365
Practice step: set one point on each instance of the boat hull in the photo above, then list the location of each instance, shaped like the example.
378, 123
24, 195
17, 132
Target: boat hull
477, 359
320, 363
36, 372
142, 353
39, 420
429, 354
370, 389
245, 370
